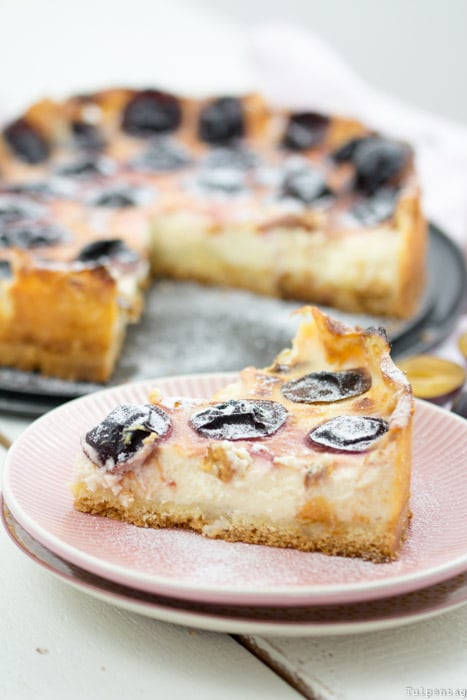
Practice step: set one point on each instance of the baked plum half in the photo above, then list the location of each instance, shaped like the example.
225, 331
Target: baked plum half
348, 433
103, 251
240, 419
305, 130
221, 121
26, 142
126, 437
151, 112
327, 387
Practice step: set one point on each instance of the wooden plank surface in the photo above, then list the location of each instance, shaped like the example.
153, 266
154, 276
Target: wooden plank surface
57, 642
381, 665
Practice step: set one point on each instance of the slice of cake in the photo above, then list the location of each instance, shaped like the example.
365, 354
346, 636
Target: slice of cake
312, 453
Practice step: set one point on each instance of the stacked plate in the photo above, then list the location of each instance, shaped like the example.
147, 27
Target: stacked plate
182, 577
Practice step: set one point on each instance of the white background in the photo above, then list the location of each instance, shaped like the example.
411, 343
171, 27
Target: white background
414, 49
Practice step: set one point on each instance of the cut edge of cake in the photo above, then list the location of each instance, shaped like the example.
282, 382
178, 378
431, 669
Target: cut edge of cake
279, 490
298, 253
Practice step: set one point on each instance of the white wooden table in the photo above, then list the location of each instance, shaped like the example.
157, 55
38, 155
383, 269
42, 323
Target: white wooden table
57, 642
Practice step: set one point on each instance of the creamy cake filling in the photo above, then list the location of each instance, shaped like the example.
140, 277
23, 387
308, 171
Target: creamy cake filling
317, 445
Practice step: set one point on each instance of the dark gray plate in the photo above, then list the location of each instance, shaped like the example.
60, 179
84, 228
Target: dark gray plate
190, 328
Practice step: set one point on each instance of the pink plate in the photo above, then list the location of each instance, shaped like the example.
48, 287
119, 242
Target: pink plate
185, 565
313, 620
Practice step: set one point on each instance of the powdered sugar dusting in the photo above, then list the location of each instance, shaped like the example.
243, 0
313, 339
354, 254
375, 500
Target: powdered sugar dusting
362, 616
211, 562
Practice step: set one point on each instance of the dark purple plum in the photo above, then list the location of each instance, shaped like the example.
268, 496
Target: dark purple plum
119, 196
86, 167
103, 251
378, 162
222, 121
376, 208
40, 189
346, 152
151, 112
241, 419
231, 157
162, 155
305, 130
305, 184
348, 433
327, 387
121, 435
26, 142
87, 136
222, 180
32, 234
5, 270
15, 208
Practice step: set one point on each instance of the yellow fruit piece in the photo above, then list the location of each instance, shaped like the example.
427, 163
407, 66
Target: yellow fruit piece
432, 377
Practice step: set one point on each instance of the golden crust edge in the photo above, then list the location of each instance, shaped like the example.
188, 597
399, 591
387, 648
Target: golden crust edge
351, 542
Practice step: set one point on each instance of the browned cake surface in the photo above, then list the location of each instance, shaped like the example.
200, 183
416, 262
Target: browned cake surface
282, 489
221, 190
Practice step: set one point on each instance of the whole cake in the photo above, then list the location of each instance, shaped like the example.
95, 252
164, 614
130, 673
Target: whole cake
100, 192
312, 453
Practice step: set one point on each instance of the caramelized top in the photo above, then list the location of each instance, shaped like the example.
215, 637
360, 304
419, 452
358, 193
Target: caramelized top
257, 413
96, 163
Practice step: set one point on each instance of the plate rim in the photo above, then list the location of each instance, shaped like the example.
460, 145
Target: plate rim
215, 621
294, 594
